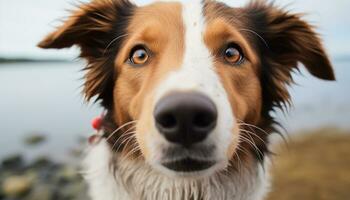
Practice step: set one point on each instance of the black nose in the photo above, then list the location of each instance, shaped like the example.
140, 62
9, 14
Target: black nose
185, 118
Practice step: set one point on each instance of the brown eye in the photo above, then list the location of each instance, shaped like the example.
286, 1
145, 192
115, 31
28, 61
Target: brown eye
139, 56
233, 54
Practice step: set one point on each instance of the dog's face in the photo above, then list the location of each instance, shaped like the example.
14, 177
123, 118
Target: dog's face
190, 76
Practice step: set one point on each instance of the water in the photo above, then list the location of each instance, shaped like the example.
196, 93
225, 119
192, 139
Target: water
46, 98
320, 103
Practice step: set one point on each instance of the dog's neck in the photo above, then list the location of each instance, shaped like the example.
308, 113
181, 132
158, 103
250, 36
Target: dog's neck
112, 178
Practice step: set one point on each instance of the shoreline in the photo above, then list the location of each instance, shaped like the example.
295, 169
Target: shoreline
44, 179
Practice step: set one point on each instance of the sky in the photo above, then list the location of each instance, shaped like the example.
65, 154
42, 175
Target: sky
23, 23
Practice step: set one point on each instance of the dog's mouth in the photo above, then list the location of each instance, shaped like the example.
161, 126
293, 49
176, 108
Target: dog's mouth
188, 165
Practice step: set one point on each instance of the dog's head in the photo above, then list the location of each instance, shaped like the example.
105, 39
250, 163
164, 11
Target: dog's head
196, 81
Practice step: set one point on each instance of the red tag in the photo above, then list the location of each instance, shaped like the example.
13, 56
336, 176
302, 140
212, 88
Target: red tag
97, 123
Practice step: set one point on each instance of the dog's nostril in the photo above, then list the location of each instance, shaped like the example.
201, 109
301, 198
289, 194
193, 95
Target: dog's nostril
167, 121
203, 120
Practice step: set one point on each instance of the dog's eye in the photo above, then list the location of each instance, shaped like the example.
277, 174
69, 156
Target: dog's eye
138, 55
233, 54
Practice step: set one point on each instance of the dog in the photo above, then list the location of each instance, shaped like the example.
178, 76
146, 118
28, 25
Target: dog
189, 89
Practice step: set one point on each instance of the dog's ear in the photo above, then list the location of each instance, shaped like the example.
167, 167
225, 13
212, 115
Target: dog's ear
89, 24
97, 28
289, 39
284, 40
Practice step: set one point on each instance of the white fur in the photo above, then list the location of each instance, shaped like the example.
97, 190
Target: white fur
148, 180
135, 180
97, 173
197, 74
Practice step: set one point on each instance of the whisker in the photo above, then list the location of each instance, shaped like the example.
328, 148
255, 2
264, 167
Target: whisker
122, 136
112, 41
256, 149
129, 130
240, 162
132, 152
126, 143
253, 126
126, 140
249, 132
119, 128
257, 34
284, 137
242, 149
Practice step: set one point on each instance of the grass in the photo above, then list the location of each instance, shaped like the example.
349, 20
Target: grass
314, 166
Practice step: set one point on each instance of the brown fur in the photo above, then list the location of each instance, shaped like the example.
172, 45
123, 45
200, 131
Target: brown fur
163, 33
290, 40
280, 40
98, 29
274, 41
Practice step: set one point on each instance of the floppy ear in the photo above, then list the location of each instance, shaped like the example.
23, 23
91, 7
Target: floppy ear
287, 40
97, 28
290, 39
89, 24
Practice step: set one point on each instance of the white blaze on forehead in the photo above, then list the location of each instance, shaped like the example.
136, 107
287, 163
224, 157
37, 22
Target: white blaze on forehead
198, 74
197, 66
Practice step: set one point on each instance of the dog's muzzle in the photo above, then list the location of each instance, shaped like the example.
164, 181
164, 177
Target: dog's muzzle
186, 119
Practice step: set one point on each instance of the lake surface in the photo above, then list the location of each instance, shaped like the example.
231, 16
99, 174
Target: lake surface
43, 98
46, 98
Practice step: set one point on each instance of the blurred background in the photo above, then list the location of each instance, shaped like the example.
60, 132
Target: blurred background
44, 120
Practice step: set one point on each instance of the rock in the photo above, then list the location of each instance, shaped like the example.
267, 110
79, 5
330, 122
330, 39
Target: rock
40, 162
45, 174
74, 191
13, 162
67, 174
17, 186
40, 192
34, 139
41, 167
